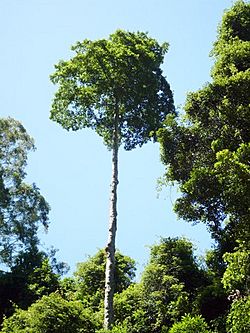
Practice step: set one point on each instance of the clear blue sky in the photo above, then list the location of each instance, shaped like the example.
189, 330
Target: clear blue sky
73, 170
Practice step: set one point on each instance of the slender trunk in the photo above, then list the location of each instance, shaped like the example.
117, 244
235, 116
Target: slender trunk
110, 248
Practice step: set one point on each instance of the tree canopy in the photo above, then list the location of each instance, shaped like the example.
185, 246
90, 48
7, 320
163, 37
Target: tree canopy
206, 152
121, 72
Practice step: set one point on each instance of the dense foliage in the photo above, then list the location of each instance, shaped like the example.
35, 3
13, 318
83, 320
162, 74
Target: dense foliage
90, 277
119, 74
190, 324
238, 320
206, 152
51, 314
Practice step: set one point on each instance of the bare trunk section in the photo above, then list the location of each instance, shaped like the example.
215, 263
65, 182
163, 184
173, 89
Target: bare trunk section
110, 248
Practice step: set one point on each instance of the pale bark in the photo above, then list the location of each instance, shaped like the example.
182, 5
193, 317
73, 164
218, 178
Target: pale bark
110, 248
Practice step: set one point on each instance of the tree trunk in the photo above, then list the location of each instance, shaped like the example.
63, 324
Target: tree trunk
110, 248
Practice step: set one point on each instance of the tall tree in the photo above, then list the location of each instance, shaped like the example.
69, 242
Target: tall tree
116, 87
208, 151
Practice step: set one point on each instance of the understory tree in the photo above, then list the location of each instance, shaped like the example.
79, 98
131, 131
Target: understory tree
116, 87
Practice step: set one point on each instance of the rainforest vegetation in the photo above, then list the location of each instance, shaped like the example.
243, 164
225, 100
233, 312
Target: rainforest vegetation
116, 87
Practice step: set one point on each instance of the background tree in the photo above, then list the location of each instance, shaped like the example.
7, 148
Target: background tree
116, 87
176, 256
90, 278
29, 279
207, 152
27, 272
69, 305
22, 208
167, 290
51, 314
173, 284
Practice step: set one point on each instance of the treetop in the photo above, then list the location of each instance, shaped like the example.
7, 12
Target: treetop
119, 75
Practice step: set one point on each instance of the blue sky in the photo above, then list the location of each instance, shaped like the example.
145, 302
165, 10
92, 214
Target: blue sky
73, 170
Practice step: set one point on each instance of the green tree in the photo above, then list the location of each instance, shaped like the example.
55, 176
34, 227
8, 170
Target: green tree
211, 299
22, 208
131, 310
29, 272
31, 277
90, 278
171, 280
115, 329
116, 87
176, 257
207, 151
167, 289
238, 320
237, 273
51, 314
